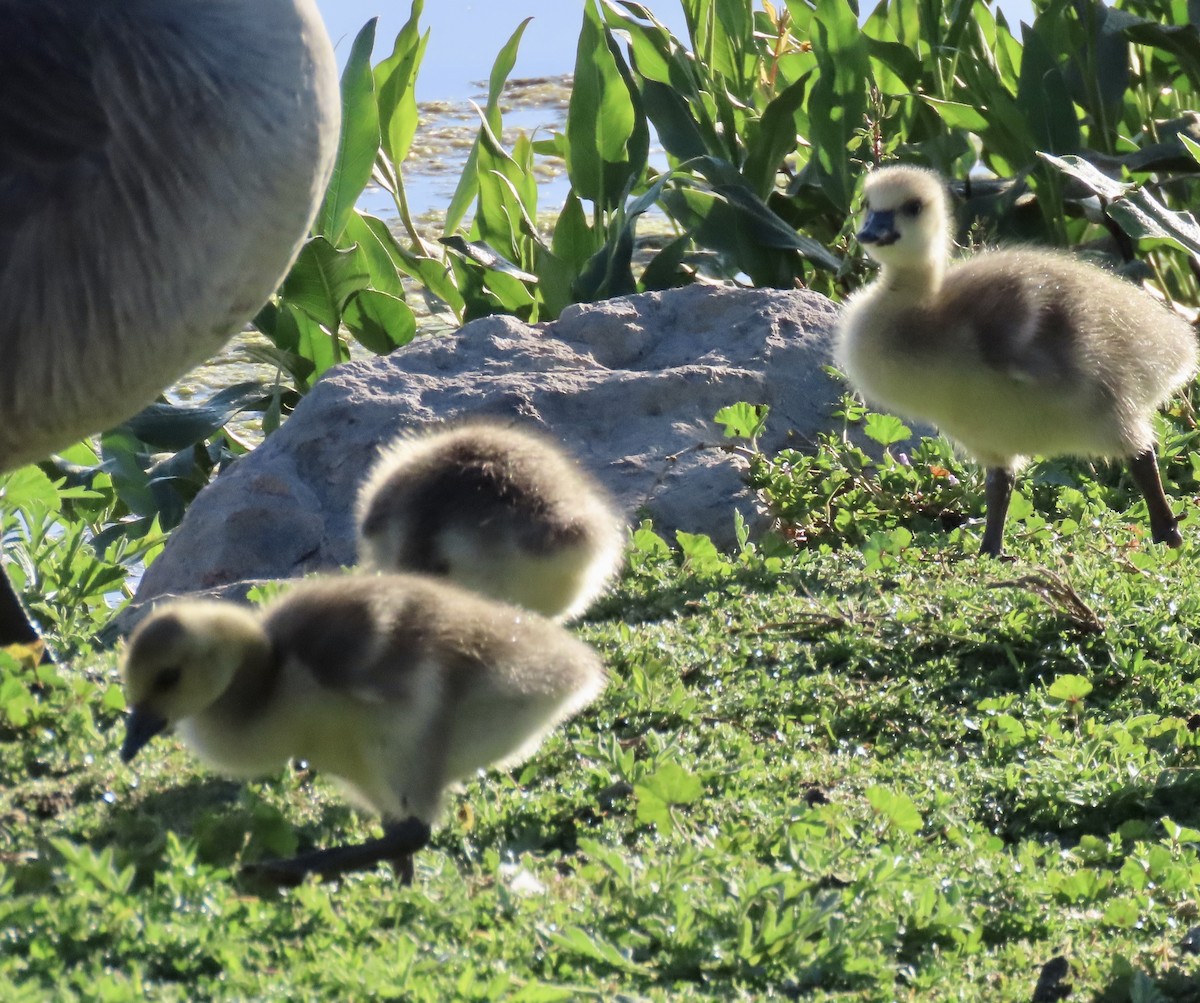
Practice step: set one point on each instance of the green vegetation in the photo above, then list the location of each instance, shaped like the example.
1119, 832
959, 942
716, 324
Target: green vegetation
895, 773
849, 761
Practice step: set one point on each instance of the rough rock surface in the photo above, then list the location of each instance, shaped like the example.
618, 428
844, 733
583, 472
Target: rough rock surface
630, 385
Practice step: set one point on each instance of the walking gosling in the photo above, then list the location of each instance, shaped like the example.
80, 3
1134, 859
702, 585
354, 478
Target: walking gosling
396, 684
1011, 353
160, 165
499, 510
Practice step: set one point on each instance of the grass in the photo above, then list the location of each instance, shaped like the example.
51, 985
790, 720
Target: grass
888, 772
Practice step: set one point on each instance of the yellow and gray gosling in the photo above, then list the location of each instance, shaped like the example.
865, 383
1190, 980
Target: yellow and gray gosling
1011, 353
502, 511
160, 165
397, 685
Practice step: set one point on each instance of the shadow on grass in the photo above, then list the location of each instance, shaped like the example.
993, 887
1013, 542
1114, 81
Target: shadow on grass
1067, 816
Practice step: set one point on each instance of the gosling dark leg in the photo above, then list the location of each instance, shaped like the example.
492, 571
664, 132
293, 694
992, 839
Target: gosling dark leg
1164, 527
400, 840
997, 492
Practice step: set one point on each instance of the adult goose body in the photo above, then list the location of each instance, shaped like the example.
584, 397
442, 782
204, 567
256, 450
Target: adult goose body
160, 164
397, 685
1011, 353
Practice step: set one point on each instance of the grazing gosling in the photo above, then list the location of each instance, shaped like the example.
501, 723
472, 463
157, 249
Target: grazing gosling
395, 684
1011, 353
499, 510
161, 162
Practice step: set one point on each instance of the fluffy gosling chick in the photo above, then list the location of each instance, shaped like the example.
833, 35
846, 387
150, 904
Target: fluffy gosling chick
502, 511
397, 685
1011, 353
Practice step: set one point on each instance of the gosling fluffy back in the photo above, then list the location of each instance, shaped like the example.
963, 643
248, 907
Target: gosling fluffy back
503, 511
1011, 353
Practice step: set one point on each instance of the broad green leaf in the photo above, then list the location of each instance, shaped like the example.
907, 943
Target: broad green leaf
488, 257
468, 182
323, 278
669, 785
395, 84
742, 420
377, 245
773, 139
28, 487
379, 321
885, 429
1069, 688
958, 116
358, 144
607, 135
177, 426
1044, 100
576, 940
897, 809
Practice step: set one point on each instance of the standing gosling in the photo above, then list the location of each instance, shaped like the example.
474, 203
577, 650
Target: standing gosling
396, 684
1010, 353
160, 164
499, 510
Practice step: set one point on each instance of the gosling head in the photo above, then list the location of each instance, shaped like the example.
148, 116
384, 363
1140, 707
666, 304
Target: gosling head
907, 224
179, 661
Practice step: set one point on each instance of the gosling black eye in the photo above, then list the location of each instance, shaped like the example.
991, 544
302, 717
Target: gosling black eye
167, 679
912, 208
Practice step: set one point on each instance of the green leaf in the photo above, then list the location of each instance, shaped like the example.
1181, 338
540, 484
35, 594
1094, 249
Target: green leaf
177, 426
774, 138
1043, 97
957, 115
700, 554
380, 252
669, 785
576, 940
395, 84
885, 429
28, 487
485, 255
742, 420
1069, 688
468, 181
379, 321
896, 809
607, 135
323, 278
358, 144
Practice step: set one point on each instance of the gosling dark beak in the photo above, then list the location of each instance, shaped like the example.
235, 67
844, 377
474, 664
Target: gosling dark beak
879, 229
140, 727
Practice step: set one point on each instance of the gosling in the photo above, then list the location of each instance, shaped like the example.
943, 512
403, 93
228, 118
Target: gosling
160, 166
395, 684
499, 510
1011, 353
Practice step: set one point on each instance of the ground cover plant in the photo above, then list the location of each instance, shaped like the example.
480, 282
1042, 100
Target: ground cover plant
848, 760
825, 775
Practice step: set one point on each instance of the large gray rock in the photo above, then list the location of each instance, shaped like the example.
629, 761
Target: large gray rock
630, 385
